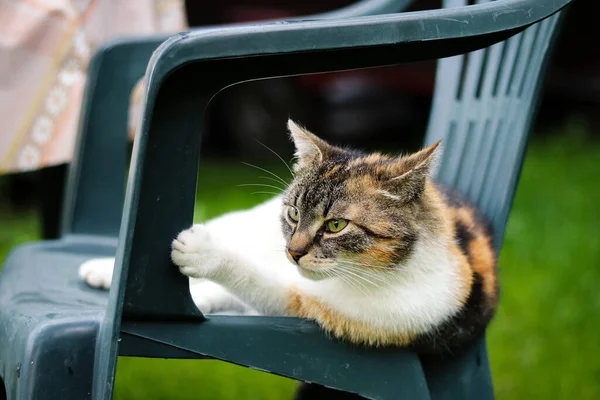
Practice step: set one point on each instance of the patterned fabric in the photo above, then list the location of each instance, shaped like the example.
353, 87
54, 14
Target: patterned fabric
45, 48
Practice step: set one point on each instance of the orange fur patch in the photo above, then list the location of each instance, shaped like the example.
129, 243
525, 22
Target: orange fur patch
436, 205
481, 252
360, 186
331, 172
369, 160
465, 216
341, 326
379, 256
484, 263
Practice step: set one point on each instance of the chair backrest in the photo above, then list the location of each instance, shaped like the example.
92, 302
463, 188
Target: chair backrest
482, 110
96, 183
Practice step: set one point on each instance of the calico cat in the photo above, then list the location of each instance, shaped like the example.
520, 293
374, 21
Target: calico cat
366, 245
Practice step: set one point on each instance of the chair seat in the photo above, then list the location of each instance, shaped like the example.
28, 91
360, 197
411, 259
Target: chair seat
49, 319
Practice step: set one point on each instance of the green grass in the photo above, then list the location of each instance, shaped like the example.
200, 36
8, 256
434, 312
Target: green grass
544, 341
16, 227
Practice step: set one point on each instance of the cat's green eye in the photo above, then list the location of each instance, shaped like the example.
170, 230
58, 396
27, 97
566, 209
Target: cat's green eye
293, 213
335, 225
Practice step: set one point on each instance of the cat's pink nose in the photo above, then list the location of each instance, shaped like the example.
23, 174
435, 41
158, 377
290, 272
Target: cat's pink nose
296, 254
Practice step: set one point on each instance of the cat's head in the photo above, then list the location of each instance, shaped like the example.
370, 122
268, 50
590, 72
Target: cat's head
346, 210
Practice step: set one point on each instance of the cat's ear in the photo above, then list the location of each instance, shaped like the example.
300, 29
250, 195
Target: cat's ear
411, 172
310, 149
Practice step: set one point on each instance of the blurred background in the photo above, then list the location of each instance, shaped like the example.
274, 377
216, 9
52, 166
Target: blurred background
543, 342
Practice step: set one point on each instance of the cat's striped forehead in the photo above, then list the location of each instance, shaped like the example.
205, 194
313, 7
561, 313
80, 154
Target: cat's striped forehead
347, 177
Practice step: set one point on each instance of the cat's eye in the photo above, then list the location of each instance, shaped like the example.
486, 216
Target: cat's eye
293, 213
335, 225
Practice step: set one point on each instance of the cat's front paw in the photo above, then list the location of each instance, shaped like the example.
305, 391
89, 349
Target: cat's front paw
196, 253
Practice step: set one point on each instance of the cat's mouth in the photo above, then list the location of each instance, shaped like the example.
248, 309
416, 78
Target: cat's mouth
314, 273
315, 270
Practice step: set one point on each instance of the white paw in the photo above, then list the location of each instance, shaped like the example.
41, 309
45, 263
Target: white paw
212, 298
195, 252
97, 272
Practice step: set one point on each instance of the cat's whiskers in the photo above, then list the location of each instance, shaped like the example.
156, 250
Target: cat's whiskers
272, 179
375, 275
278, 156
281, 180
353, 282
262, 185
358, 275
386, 269
355, 276
365, 273
328, 273
334, 272
273, 193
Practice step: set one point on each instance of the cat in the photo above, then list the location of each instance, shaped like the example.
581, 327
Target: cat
366, 245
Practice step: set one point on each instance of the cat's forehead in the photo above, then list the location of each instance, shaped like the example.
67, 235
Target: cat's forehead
311, 191
331, 186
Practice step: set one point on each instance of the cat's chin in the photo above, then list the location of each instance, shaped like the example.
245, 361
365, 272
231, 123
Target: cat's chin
313, 275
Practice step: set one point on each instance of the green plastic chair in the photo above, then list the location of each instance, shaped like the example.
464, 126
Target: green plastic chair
60, 339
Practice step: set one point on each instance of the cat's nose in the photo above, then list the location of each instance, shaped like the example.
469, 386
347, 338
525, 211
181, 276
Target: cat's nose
297, 254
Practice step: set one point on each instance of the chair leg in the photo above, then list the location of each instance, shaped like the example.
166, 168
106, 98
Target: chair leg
464, 376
